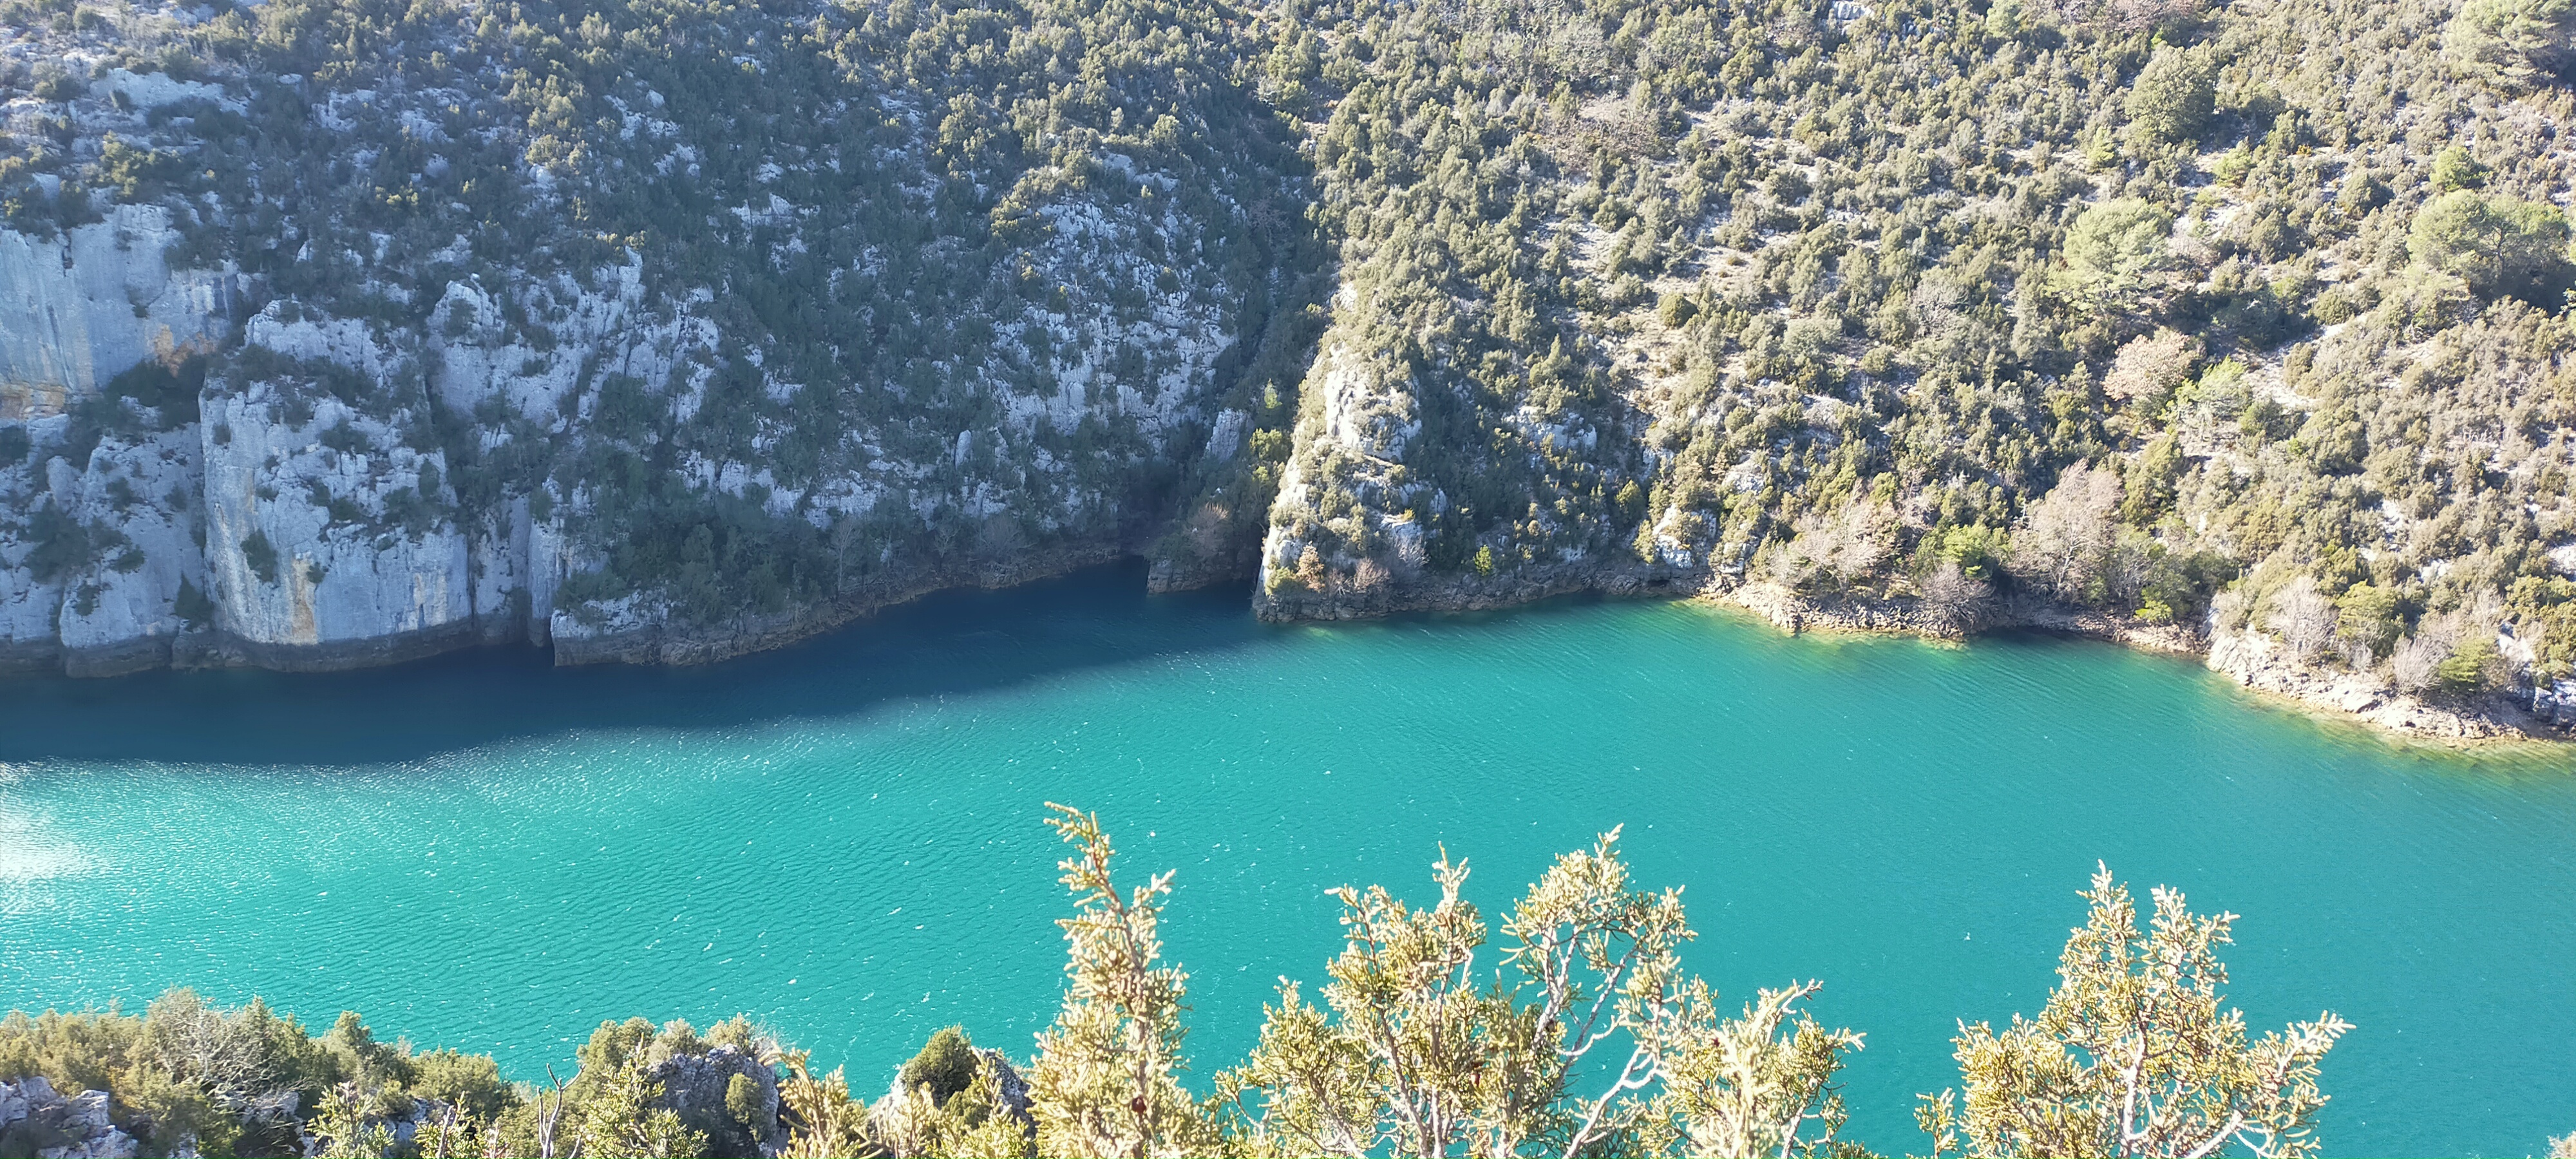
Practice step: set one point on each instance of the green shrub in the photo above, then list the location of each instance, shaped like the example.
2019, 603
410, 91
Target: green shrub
2174, 95
471, 1082
744, 1104
946, 1064
2500, 246
261, 555
2116, 243
2471, 666
2454, 168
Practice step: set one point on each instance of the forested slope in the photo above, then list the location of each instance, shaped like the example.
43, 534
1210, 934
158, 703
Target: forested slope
661, 331
1926, 315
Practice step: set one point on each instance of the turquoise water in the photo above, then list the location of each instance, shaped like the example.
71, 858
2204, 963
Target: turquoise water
844, 839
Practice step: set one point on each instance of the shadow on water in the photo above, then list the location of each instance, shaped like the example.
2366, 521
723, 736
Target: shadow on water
947, 643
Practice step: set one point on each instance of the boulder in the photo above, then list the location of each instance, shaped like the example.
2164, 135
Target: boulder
36, 1120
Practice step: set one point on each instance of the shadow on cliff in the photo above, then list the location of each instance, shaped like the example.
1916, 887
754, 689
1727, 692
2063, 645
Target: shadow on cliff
947, 643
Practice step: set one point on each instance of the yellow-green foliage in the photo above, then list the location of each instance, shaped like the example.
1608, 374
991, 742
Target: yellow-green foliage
1580, 1033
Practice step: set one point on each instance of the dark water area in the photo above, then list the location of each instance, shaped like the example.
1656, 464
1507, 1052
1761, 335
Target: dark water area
949, 643
844, 838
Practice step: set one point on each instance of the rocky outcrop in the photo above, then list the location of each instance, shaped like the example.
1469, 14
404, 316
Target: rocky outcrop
91, 302
2256, 660
31, 589
2264, 664
331, 540
895, 1115
37, 1121
122, 612
1793, 613
697, 1086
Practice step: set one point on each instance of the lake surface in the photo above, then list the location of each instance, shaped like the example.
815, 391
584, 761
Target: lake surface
844, 839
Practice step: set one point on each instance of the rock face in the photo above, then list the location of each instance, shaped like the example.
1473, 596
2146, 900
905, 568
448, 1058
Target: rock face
93, 301
857, 367
121, 612
330, 535
36, 1120
694, 1086
2263, 663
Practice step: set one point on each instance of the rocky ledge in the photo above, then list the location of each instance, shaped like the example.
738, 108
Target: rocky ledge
37, 1120
1366, 594
636, 634
2254, 660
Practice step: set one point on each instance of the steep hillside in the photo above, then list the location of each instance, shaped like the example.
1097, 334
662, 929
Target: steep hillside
657, 332
2232, 327
337, 334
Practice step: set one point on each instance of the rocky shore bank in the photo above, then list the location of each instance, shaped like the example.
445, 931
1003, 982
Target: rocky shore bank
2255, 660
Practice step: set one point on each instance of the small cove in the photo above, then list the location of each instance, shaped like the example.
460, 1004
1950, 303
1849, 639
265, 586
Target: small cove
843, 838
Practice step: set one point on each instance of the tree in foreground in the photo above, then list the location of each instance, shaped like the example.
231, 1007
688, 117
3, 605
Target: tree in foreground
1410, 1054
622, 1116
2133, 1055
826, 1120
1104, 1081
1578, 1035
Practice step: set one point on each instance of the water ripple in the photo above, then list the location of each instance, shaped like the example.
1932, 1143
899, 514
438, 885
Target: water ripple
1907, 821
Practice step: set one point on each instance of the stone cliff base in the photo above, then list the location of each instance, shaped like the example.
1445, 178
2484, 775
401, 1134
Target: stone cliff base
2253, 660
655, 642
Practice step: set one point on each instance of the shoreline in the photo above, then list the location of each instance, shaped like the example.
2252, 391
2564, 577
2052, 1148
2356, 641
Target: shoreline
2250, 660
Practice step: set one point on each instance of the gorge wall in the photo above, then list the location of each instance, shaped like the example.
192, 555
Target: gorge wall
331, 336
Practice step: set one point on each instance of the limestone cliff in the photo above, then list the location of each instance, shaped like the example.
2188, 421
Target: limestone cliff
335, 335
95, 300
308, 374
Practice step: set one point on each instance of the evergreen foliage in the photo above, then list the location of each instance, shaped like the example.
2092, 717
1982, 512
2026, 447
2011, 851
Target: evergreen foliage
1419, 1046
1402, 304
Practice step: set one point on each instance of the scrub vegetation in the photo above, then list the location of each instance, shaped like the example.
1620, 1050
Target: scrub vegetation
1568, 1028
2227, 320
